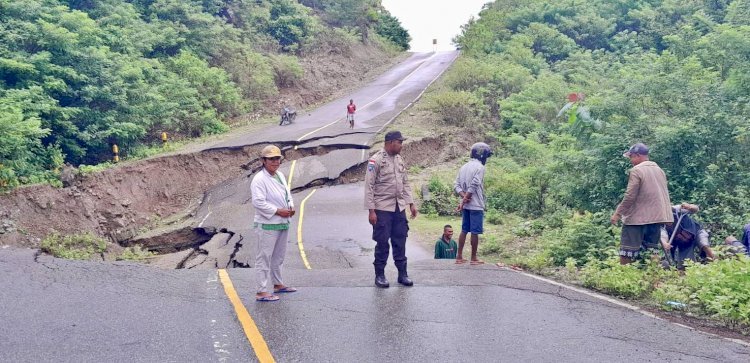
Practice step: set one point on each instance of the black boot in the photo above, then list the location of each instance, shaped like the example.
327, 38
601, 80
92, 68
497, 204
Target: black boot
380, 280
403, 277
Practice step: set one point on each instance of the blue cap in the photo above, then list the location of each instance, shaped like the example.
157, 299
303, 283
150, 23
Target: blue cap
394, 135
636, 149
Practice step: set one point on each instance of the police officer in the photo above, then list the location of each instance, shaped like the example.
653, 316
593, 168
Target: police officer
387, 193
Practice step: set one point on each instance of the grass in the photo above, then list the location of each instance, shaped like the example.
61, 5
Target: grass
135, 253
84, 169
74, 247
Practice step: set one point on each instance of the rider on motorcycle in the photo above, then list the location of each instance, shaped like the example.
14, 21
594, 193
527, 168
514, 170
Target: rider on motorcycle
285, 112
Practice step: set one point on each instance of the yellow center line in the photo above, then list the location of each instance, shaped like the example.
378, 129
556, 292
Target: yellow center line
318, 129
248, 325
373, 101
291, 173
299, 230
294, 162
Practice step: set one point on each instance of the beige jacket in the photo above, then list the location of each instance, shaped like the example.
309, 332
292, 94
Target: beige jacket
646, 199
386, 184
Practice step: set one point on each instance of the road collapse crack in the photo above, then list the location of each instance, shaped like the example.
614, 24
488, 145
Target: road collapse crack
557, 293
431, 321
215, 252
233, 257
288, 143
634, 341
340, 309
320, 150
176, 238
353, 174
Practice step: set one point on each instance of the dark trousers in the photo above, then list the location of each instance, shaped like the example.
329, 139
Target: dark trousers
393, 226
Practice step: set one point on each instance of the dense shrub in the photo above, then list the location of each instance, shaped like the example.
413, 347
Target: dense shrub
287, 70
622, 280
720, 289
468, 74
213, 85
457, 108
290, 24
442, 199
583, 238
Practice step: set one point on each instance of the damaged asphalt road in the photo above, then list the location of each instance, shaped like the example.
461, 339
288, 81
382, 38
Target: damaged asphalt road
320, 149
59, 310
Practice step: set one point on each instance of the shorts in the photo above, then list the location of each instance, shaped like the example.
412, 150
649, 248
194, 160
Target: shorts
633, 238
350, 117
473, 221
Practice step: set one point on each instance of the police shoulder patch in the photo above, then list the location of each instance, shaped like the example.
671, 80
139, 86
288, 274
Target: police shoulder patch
371, 164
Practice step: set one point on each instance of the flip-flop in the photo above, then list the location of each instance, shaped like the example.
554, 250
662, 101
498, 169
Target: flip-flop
476, 262
461, 261
285, 289
267, 298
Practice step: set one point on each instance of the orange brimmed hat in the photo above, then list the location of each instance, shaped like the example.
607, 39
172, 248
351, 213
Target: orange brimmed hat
270, 151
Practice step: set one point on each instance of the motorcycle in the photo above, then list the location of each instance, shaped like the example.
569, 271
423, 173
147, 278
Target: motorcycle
287, 116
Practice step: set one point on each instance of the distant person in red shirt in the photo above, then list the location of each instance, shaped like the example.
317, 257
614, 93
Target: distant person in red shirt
350, 108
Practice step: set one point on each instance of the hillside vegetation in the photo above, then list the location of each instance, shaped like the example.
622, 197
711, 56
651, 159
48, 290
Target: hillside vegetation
78, 76
562, 88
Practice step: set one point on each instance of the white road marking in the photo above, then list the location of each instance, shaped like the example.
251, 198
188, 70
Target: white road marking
218, 331
624, 305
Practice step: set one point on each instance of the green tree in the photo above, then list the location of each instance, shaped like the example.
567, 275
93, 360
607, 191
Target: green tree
20, 145
390, 28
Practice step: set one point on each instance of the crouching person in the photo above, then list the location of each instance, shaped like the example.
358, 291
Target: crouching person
686, 237
735, 247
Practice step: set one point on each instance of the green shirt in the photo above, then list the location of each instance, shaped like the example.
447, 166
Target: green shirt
445, 249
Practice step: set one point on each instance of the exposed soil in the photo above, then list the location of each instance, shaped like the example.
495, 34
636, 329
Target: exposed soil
117, 202
336, 72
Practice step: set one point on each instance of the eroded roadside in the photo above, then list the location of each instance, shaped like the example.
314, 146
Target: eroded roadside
160, 203
216, 235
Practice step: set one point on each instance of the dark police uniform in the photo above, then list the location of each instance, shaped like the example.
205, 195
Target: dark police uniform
388, 192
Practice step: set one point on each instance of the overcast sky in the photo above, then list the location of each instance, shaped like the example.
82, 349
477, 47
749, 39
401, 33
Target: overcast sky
433, 19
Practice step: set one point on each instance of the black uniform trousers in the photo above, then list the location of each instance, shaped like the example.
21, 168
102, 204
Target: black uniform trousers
393, 226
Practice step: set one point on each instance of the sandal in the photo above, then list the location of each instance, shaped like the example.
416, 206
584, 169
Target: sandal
460, 262
267, 298
476, 262
285, 289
